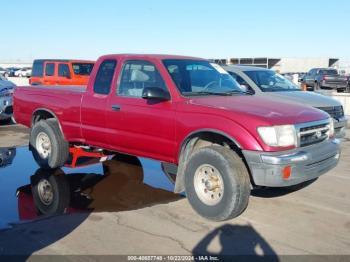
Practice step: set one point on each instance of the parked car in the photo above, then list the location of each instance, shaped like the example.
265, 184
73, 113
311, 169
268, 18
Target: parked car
301, 77
61, 72
10, 71
265, 82
348, 79
189, 113
325, 78
6, 93
23, 72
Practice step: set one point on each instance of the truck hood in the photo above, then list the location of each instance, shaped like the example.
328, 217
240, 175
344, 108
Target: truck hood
305, 98
264, 110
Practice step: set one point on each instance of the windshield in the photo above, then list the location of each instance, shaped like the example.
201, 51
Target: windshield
83, 69
201, 78
270, 81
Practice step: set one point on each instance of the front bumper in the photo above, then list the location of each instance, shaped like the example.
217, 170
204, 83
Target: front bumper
6, 107
306, 163
340, 126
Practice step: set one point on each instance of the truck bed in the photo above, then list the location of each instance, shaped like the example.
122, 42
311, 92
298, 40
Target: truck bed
65, 101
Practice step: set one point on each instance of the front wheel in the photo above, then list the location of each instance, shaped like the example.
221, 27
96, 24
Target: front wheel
47, 144
217, 183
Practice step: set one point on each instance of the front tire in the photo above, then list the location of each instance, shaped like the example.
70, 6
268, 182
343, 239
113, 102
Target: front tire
47, 144
217, 183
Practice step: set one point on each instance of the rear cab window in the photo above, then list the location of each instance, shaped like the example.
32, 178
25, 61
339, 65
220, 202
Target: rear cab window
104, 77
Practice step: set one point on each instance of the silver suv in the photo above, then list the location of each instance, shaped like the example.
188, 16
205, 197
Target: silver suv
267, 82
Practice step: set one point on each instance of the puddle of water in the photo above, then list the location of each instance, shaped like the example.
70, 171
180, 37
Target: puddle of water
123, 183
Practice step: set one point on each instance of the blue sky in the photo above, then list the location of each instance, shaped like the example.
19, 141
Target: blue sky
206, 28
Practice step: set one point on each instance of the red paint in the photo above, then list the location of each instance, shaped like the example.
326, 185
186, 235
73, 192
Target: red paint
157, 130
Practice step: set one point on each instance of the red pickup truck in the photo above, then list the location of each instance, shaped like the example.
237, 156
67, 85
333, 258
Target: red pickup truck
188, 113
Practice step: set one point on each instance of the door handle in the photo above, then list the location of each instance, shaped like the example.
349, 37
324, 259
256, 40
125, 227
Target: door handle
116, 107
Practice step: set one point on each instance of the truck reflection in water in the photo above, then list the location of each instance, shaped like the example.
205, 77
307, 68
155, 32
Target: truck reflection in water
6, 156
120, 187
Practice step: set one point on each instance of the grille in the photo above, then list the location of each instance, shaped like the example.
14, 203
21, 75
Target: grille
313, 134
333, 111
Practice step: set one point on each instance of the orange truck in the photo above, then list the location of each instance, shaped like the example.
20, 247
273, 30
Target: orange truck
60, 72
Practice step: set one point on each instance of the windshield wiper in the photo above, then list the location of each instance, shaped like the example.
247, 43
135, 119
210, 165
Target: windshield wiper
208, 93
249, 92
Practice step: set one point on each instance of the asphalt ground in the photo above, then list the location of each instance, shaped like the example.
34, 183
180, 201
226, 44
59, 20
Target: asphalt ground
314, 220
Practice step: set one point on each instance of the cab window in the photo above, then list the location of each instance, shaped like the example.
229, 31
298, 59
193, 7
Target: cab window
136, 75
63, 70
38, 68
50, 69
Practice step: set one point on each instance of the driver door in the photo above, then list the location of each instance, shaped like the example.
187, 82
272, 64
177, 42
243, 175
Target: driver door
140, 126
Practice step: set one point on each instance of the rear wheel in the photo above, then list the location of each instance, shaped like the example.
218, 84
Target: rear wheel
47, 144
51, 191
217, 183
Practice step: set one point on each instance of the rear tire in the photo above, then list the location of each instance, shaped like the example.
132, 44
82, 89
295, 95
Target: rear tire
47, 144
217, 183
51, 191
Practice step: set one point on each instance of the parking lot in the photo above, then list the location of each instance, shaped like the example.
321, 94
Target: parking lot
312, 220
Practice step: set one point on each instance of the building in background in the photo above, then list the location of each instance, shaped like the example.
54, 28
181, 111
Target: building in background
283, 65
16, 63
344, 67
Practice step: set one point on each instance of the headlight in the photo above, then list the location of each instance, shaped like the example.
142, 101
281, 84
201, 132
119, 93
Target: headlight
278, 135
331, 128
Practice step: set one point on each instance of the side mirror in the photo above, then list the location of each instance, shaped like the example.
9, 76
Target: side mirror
155, 93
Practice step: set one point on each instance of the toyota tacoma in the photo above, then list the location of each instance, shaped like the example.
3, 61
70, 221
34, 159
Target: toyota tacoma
188, 113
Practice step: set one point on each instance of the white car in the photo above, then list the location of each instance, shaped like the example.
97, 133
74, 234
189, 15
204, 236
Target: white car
2, 71
24, 72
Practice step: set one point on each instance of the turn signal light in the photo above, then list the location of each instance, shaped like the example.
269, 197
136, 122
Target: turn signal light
287, 171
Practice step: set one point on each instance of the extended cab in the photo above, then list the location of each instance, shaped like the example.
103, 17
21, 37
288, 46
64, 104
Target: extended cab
60, 72
188, 113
